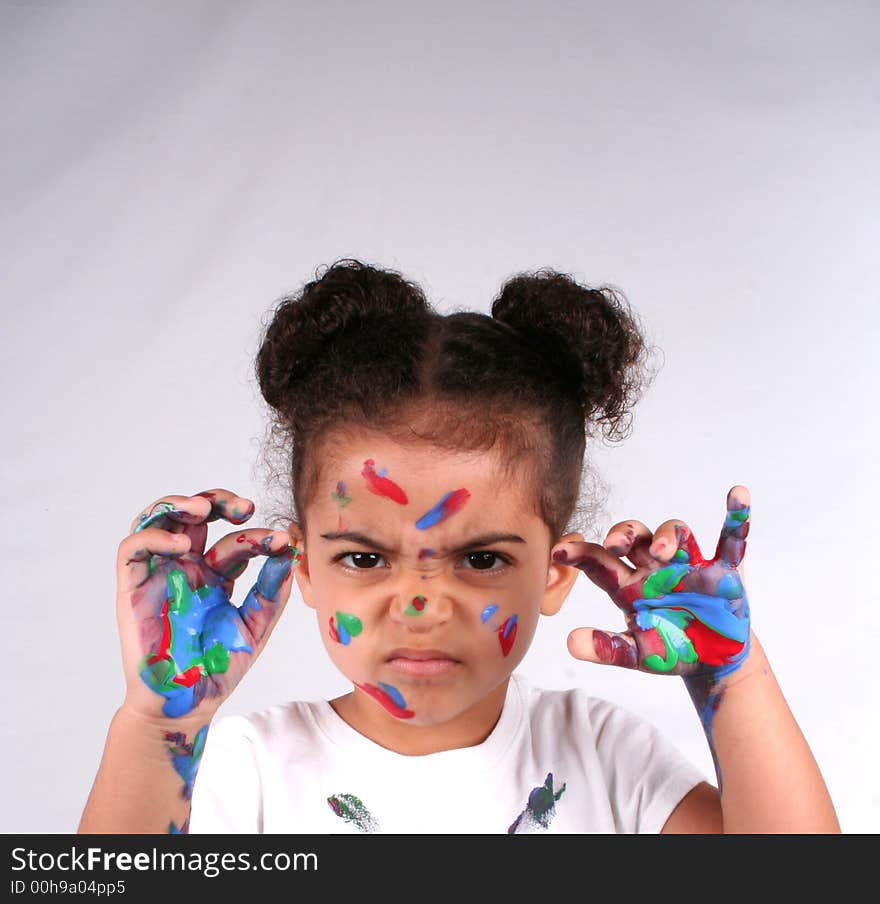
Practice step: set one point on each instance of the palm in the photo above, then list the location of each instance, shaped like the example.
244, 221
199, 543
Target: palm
186, 641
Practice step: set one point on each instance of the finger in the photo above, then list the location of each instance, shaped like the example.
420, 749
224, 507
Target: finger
171, 513
228, 505
267, 598
631, 539
732, 543
137, 550
674, 541
230, 555
607, 648
600, 566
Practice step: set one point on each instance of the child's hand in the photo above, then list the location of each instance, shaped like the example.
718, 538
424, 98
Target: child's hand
184, 644
685, 615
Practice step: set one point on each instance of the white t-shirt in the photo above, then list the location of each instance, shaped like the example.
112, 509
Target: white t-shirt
556, 761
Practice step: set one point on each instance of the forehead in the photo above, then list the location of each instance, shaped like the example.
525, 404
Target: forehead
426, 474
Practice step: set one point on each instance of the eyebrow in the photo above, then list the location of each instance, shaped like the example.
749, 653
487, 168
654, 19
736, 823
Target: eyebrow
480, 540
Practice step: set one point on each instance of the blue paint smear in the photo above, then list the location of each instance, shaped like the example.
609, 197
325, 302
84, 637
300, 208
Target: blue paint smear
272, 575
186, 765
711, 611
394, 694
344, 636
211, 619
510, 623
429, 519
488, 612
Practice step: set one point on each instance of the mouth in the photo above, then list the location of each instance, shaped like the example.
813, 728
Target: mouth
422, 663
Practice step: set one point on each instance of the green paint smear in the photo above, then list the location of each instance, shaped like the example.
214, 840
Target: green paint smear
216, 659
351, 623
352, 809
662, 581
681, 556
411, 609
738, 516
678, 644
341, 501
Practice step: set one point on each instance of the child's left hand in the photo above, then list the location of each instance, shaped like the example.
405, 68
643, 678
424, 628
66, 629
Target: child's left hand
685, 615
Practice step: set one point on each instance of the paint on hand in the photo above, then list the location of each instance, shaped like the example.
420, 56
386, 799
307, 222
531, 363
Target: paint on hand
344, 627
159, 511
186, 757
416, 606
389, 697
540, 809
339, 495
507, 634
450, 504
198, 629
382, 485
352, 810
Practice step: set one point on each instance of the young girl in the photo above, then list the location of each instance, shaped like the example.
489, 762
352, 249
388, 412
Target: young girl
436, 463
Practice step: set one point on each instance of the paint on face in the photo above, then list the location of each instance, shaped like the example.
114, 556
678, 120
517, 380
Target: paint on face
344, 627
183, 829
450, 504
540, 809
416, 606
339, 495
507, 634
352, 810
488, 612
382, 485
389, 697
186, 757
425, 553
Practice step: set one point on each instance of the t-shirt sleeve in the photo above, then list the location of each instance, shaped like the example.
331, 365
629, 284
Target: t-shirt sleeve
645, 773
227, 795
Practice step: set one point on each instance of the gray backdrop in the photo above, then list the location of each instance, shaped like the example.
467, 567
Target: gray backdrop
170, 169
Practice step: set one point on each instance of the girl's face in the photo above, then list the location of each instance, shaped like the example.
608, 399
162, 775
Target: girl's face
427, 572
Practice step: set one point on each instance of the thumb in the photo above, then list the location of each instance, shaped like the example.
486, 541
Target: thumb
607, 648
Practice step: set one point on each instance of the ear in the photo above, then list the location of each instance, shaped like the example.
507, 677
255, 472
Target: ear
560, 579
301, 572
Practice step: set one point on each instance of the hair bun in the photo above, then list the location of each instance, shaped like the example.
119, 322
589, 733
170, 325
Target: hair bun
345, 301
589, 335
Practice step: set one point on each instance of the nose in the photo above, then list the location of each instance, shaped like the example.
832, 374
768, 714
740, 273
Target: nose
421, 606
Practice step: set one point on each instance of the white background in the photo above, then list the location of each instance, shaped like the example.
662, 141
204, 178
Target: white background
171, 169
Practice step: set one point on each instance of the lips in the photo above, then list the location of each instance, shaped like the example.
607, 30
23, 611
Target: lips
422, 663
419, 655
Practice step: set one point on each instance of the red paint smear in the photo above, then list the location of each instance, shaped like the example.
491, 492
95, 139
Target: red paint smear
190, 677
507, 642
333, 632
712, 648
382, 486
454, 503
165, 643
418, 604
240, 538
381, 697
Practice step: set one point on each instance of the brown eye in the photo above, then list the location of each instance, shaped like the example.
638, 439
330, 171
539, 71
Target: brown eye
362, 561
483, 561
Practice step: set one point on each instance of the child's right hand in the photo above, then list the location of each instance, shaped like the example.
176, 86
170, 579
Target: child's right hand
185, 646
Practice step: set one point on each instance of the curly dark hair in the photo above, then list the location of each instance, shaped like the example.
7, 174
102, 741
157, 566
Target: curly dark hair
360, 347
